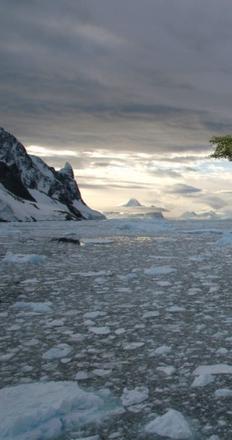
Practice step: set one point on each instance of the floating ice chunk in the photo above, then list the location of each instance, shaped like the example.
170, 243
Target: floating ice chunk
93, 315
77, 337
35, 307
222, 350
175, 309
133, 345
135, 396
96, 274
97, 241
163, 349
202, 380
213, 369
169, 370
82, 375
101, 372
47, 410
56, 323
89, 322
151, 314
23, 259
93, 437
223, 392
214, 437
100, 330
225, 240
159, 270
57, 352
172, 425
123, 290
119, 331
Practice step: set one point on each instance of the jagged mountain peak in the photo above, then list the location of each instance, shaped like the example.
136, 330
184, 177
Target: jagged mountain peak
132, 203
30, 178
67, 170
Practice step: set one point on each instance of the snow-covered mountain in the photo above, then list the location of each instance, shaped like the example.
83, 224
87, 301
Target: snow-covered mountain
206, 215
132, 203
30, 190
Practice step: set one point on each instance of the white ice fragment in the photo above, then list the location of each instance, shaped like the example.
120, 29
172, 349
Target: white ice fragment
223, 392
133, 345
119, 331
159, 270
56, 323
46, 410
95, 274
169, 370
82, 375
93, 315
163, 349
57, 352
97, 241
151, 314
172, 425
213, 369
23, 259
175, 309
222, 350
92, 437
35, 307
135, 396
100, 330
101, 372
202, 380
225, 240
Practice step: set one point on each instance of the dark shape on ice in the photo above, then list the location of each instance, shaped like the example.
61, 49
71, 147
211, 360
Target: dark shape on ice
67, 240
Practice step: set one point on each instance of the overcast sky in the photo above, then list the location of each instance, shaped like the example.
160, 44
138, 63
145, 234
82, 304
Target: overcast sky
128, 91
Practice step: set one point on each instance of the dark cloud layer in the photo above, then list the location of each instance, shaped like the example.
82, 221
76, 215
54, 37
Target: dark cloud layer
148, 75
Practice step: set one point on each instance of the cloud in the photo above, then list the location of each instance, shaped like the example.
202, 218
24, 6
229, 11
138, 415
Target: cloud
76, 74
148, 80
163, 172
214, 201
48, 152
183, 189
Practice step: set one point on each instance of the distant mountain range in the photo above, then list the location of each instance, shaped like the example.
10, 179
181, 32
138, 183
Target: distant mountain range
30, 190
207, 215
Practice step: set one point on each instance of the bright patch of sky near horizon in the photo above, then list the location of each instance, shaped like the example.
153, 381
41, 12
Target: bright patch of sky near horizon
107, 181
129, 92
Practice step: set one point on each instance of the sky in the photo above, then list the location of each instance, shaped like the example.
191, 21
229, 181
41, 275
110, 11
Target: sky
128, 91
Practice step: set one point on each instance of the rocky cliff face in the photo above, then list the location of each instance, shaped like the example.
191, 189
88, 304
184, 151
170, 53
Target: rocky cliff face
31, 190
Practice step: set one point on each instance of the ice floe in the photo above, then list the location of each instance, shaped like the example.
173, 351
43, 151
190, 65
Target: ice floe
100, 330
213, 369
162, 350
135, 396
133, 345
159, 270
168, 370
35, 307
172, 425
46, 410
57, 352
223, 392
24, 259
203, 380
